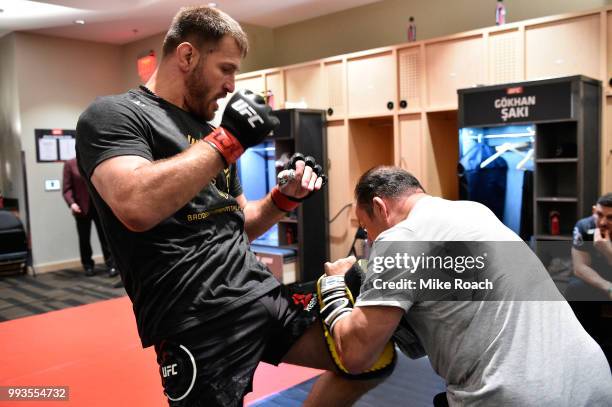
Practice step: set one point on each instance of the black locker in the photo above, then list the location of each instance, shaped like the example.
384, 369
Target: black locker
304, 131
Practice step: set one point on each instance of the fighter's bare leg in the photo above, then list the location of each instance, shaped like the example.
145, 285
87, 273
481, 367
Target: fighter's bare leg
331, 389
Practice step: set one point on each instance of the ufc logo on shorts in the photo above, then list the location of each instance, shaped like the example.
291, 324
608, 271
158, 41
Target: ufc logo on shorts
169, 370
244, 109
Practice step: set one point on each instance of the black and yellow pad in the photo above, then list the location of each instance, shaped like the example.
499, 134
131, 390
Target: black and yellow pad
404, 337
385, 363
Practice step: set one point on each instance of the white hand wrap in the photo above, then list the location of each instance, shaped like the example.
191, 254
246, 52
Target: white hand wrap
335, 300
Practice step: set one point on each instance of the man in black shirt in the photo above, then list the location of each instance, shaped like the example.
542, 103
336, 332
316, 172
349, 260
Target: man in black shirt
592, 254
166, 188
590, 289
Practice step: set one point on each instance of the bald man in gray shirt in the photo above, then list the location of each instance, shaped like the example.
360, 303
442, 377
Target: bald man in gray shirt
512, 342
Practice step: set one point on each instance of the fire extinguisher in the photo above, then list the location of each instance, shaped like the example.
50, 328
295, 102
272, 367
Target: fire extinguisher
554, 223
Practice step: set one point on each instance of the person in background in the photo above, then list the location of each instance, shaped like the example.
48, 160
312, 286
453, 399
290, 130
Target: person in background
591, 286
76, 196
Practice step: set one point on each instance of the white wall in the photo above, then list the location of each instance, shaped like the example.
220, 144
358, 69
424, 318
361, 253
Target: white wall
56, 80
11, 180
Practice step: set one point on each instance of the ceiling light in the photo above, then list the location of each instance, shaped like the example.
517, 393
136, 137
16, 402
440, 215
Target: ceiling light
80, 22
37, 9
212, 4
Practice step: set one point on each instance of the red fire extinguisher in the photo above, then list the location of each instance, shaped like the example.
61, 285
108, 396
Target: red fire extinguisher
554, 223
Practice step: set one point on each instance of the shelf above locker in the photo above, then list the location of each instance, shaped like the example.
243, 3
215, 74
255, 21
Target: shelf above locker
553, 237
556, 160
556, 199
288, 220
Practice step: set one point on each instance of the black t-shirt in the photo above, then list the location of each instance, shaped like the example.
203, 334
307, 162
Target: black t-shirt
583, 235
193, 266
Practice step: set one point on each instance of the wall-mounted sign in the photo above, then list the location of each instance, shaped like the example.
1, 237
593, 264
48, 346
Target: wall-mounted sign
53, 145
516, 103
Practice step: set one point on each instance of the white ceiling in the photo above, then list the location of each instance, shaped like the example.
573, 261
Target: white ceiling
123, 21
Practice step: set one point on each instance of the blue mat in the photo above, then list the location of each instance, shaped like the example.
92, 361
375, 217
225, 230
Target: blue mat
412, 383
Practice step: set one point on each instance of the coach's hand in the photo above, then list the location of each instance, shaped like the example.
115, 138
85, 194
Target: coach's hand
340, 266
337, 290
247, 120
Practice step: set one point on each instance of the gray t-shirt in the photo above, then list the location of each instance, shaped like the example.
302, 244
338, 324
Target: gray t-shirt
494, 352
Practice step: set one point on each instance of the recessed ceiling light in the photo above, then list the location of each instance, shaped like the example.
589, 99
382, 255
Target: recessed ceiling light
212, 4
80, 22
38, 9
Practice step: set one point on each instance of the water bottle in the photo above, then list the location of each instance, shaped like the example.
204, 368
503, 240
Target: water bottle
412, 30
270, 99
500, 13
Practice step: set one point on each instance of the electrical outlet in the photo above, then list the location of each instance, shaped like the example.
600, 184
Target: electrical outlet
52, 185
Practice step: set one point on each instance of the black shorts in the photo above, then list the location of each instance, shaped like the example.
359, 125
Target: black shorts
213, 364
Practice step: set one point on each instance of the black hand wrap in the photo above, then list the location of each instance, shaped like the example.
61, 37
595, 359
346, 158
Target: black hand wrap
309, 161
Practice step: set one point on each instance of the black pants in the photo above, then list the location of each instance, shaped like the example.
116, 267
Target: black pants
588, 303
440, 400
84, 231
212, 365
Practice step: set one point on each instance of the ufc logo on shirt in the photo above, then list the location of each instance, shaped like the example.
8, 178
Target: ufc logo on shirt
244, 109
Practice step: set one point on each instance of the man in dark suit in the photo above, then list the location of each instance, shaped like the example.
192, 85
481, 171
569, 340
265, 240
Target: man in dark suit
77, 198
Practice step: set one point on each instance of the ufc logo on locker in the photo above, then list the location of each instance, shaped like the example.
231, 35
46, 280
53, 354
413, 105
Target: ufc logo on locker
243, 108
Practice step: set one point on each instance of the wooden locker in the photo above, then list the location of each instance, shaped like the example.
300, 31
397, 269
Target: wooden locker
304, 84
452, 65
410, 77
341, 230
274, 84
411, 144
372, 87
335, 89
567, 47
505, 57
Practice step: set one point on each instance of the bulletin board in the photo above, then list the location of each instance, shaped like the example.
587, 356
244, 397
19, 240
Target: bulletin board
54, 145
